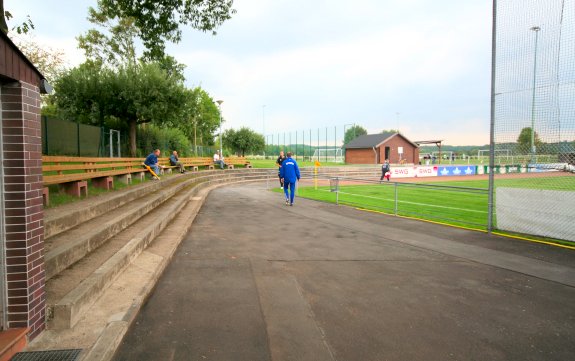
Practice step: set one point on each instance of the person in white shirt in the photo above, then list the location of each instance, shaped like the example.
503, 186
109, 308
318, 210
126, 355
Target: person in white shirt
219, 159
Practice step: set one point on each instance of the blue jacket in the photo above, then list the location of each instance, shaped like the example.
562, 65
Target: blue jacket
289, 170
173, 159
151, 159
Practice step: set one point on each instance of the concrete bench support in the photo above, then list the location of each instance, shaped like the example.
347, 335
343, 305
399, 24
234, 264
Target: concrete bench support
75, 188
230, 166
195, 168
106, 183
46, 196
248, 165
125, 178
211, 166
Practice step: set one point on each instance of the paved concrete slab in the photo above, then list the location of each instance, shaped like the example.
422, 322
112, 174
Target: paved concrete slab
256, 280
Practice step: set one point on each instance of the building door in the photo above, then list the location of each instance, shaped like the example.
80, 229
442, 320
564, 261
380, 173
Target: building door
387, 152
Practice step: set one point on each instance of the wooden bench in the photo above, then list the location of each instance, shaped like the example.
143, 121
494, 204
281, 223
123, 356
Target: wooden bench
196, 162
71, 174
232, 161
208, 162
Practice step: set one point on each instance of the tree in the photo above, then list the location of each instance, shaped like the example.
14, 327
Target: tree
202, 117
243, 140
23, 28
159, 21
524, 140
353, 132
131, 95
115, 46
389, 131
116, 49
50, 62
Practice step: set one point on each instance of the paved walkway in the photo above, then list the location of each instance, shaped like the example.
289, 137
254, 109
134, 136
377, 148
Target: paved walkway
256, 280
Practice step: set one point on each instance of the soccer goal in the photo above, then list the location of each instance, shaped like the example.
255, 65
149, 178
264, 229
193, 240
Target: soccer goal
501, 156
328, 155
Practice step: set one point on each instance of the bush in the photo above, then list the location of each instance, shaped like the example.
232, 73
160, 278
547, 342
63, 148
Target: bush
151, 137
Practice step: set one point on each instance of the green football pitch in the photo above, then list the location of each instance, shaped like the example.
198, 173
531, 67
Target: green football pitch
461, 203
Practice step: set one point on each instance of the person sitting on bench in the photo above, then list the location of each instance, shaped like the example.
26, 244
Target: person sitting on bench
152, 162
219, 160
174, 161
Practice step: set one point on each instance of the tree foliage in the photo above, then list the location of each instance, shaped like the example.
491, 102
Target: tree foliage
201, 117
167, 139
23, 28
50, 62
115, 49
243, 140
159, 21
524, 140
353, 132
122, 98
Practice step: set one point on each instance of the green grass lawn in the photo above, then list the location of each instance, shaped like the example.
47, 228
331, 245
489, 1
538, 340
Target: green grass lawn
438, 203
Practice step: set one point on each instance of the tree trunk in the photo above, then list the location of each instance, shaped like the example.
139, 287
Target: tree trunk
133, 138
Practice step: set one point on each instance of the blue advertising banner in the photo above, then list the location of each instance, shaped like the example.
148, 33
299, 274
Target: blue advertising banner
456, 170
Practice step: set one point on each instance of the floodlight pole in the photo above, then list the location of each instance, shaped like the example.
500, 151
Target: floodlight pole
264, 128
490, 196
536, 30
220, 109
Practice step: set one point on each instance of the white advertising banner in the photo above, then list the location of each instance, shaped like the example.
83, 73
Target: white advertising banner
403, 172
426, 171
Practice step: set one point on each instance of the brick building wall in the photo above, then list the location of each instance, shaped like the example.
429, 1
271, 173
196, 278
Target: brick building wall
410, 153
367, 155
360, 156
24, 229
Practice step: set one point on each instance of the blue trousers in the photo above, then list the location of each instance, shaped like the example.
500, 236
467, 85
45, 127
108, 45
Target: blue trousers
291, 186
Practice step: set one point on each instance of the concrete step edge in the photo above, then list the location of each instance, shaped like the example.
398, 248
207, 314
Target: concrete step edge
60, 219
63, 256
72, 306
68, 310
110, 338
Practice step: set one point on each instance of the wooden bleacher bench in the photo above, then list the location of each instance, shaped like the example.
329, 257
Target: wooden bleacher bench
72, 174
233, 161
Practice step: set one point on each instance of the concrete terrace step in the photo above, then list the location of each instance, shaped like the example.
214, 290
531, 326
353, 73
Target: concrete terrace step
75, 289
67, 248
60, 219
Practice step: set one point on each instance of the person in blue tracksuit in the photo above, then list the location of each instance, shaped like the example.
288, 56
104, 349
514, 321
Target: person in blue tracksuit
152, 162
289, 172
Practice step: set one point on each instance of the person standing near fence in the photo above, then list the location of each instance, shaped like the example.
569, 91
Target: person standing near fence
385, 170
279, 162
289, 172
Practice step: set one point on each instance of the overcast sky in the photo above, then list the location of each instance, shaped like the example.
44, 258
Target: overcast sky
422, 66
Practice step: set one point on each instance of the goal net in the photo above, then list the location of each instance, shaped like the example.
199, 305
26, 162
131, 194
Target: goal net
328, 155
501, 156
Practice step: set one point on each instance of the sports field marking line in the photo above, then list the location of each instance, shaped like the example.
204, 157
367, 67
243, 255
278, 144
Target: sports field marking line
474, 229
408, 202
